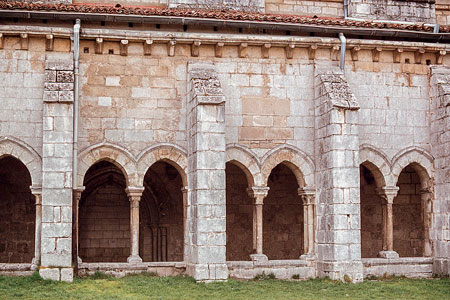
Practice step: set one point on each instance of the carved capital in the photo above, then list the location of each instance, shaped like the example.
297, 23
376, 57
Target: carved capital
134, 192
388, 193
258, 193
77, 193
308, 195
37, 193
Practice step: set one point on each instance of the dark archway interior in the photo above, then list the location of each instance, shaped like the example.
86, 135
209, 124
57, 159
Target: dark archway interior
239, 215
17, 212
283, 216
104, 215
161, 215
371, 215
408, 216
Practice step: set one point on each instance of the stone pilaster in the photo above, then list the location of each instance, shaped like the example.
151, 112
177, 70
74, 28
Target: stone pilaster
37, 193
134, 195
309, 214
56, 243
76, 225
337, 148
440, 143
388, 194
206, 174
258, 194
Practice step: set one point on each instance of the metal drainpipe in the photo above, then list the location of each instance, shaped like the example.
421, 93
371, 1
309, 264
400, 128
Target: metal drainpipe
345, 9
343, 46
76, 56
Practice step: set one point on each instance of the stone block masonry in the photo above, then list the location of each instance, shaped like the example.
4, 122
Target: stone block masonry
56, 261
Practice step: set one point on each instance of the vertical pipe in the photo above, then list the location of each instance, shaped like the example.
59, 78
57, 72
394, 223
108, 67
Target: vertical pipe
345, 9
343, 46
76, 57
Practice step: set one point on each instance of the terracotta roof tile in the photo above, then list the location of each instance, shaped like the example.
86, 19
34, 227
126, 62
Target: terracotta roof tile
216, 14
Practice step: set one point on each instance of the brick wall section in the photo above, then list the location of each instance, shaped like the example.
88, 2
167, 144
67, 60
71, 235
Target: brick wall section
16, 233
440, 125
408, 220
411, 11
239, 215
337, 167
321, 8
371, 216
21, 88
283, 216
57, 140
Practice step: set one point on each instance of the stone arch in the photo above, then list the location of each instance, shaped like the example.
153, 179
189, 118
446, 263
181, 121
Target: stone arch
377, 163
247, 161
169, 153
16, 148
299, 162
117, 155
419, 159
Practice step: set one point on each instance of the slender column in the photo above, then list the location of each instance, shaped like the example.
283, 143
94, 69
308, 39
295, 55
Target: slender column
185, 192
37, 193
426, 195
76, 226
258, 193
388, 193
308, 198
134, 195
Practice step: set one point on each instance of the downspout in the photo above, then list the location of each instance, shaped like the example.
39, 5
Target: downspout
345, 9
343, 47
76, 56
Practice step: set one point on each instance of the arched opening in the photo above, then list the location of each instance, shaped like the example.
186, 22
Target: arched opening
239, 214
104, 215
283, 216
17, 212
161, 214
408, 215
371, 215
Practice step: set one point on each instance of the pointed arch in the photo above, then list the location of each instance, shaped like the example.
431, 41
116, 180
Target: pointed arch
298, 161
420, 159
377, 162
170, 153
247, 161
115, 154
20, 150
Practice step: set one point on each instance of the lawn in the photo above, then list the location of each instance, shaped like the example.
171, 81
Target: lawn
148, 287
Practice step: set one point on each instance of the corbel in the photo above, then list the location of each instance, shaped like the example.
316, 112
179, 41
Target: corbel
124, 47
397, 54
354, 52
376, 54
418, 55
195, 48
24, 41
1, 40
265, 50
49, 42
171, 47
242, 51
312, 52
148, 47
98, 47
218, 49
290, 51
335, 53
440, 56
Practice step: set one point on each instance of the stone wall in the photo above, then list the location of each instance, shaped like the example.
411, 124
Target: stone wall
321, 8
398, 10
161, 3
16, 233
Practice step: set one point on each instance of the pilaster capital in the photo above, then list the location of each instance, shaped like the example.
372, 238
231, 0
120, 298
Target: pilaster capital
388, 193
37, 193
426, 190
184, 189
77, 192
134, 192
258, 193
308, 195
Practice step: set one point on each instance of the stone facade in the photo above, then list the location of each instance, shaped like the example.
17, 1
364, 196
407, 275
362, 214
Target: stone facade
217, 153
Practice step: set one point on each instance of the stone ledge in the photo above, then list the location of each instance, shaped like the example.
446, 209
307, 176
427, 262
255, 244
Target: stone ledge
397, 261
15, 267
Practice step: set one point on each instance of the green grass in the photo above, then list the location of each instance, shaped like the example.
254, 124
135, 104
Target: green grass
138, 287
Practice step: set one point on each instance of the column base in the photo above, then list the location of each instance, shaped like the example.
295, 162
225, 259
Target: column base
35, 264
308, 256
260, 258
388, 254
134, 259
79, 260
208, 272
345, 271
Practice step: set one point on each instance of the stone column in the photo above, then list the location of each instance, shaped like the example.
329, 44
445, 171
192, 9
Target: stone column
388, 194
258, 193
185, 192
76, 225
308, 198
57, 139
427, 210
134, 195
37, 193
337, 177
206, 174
